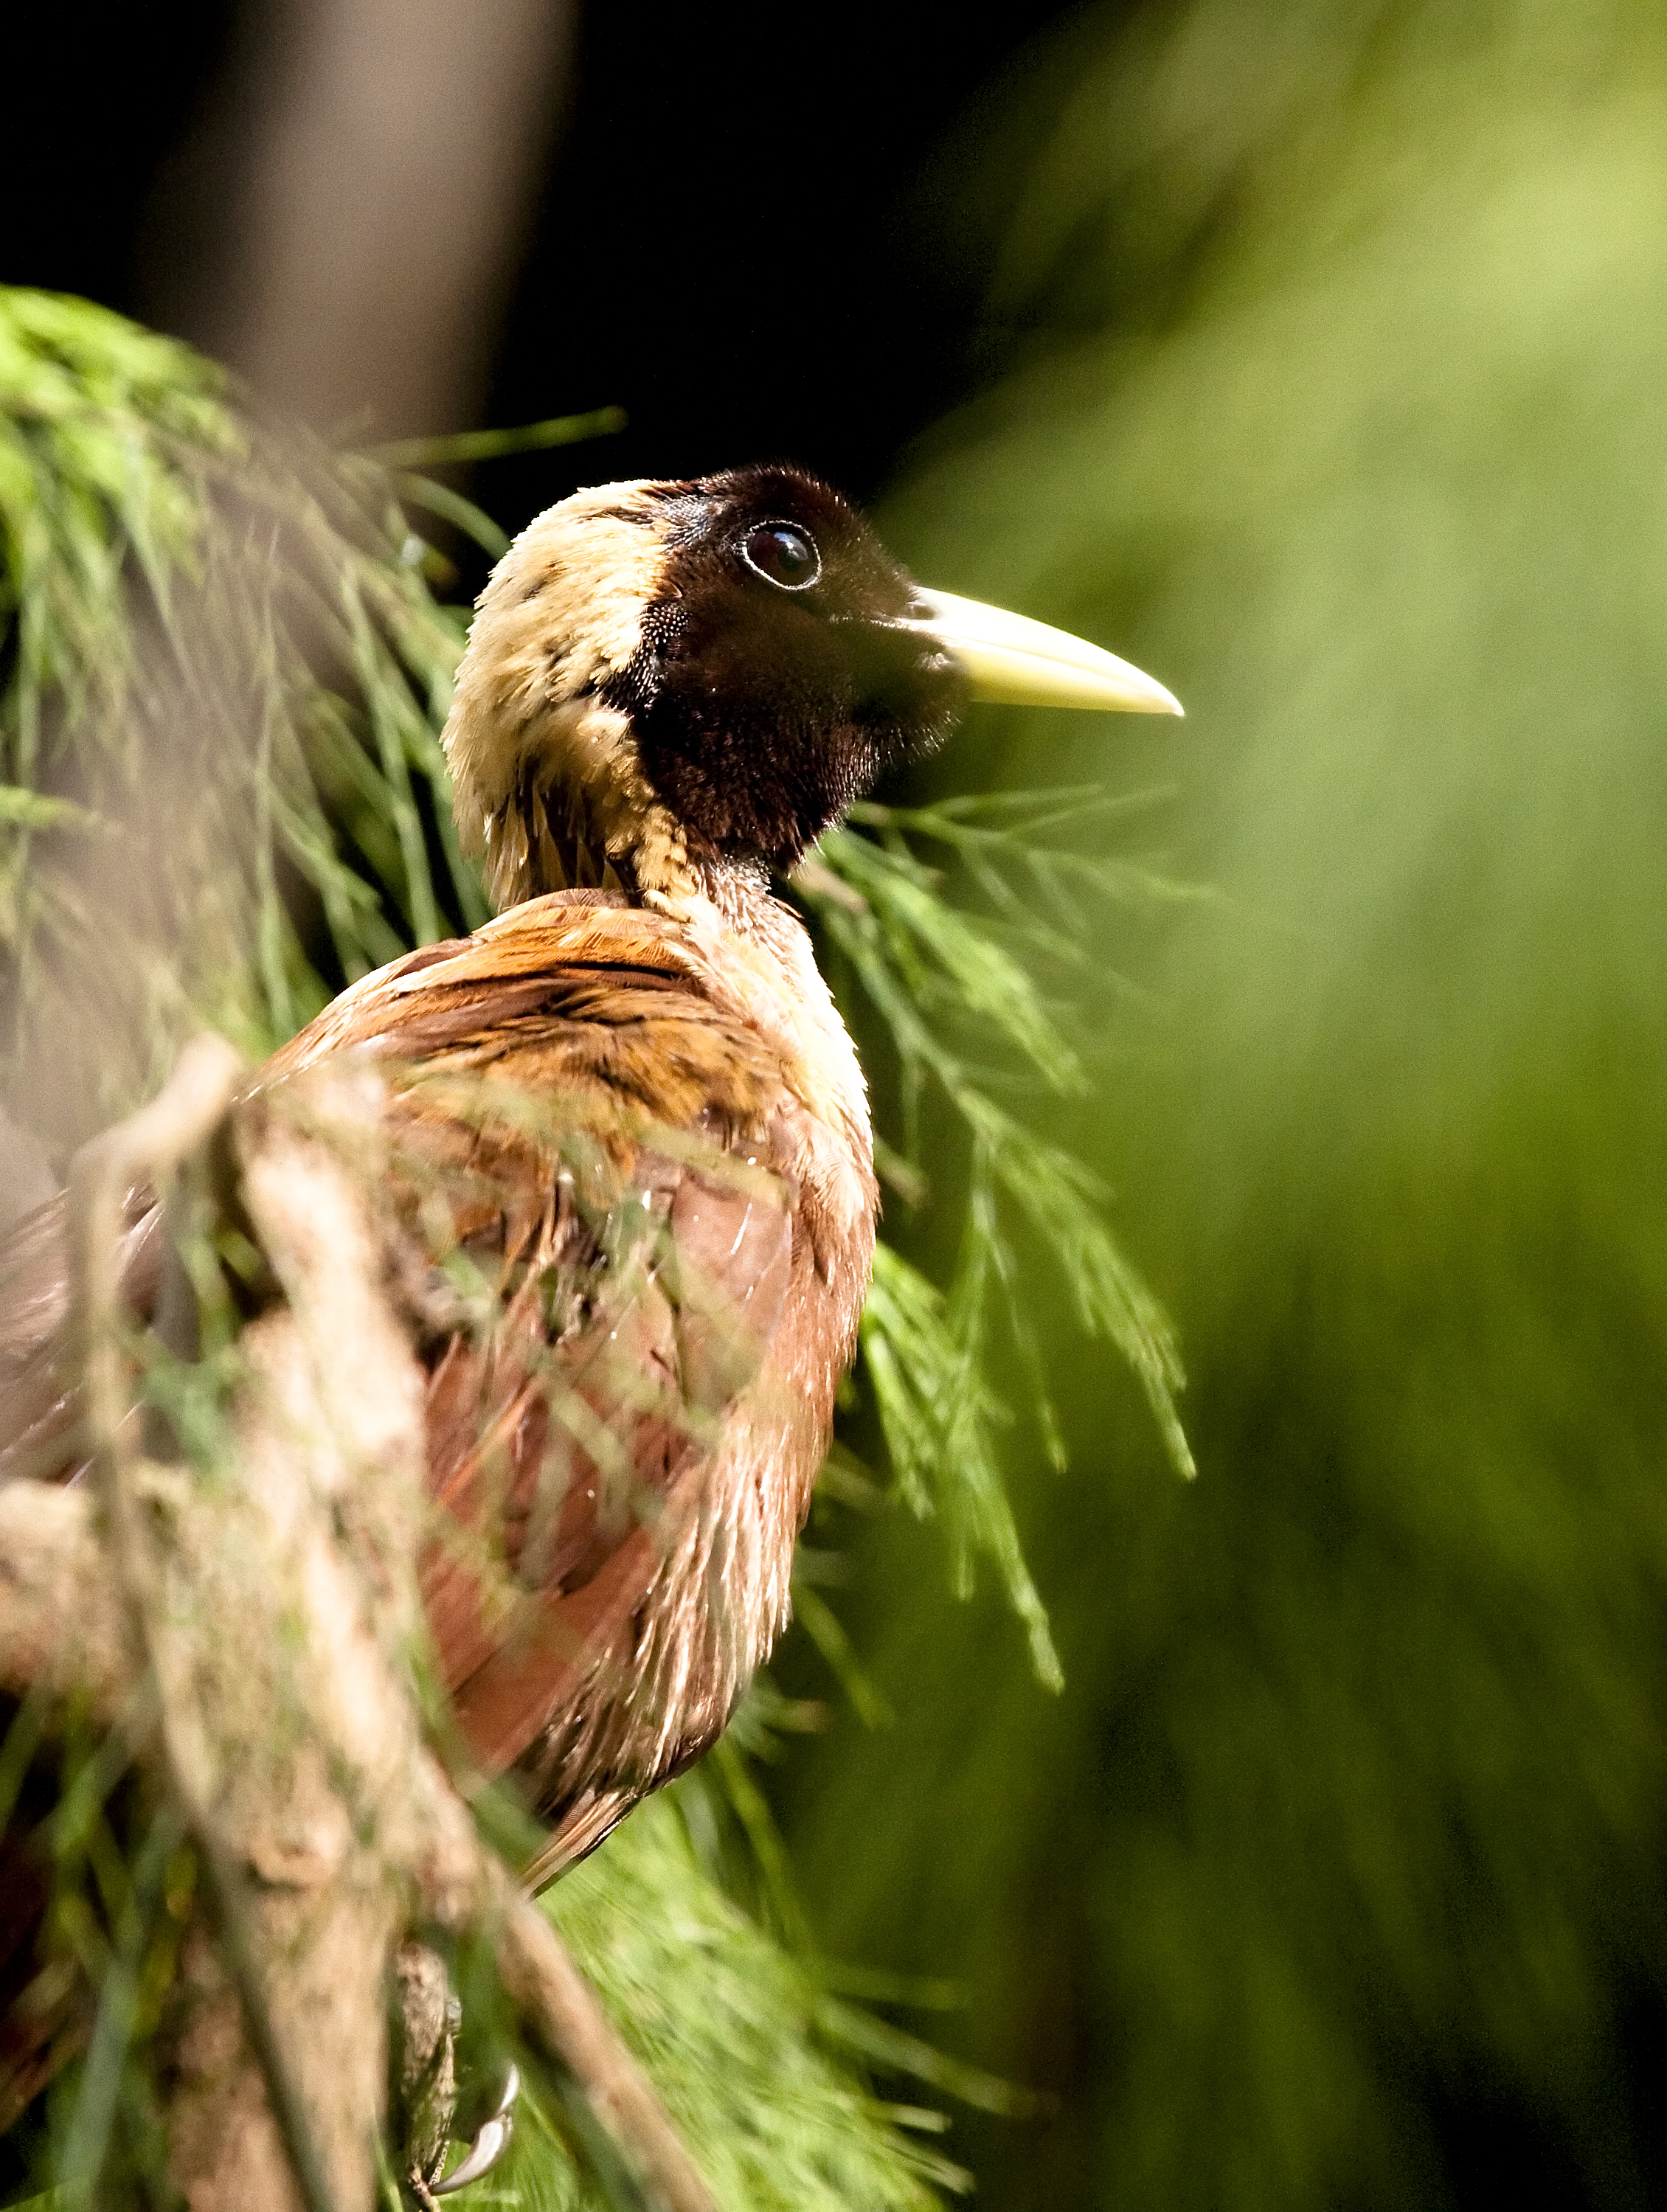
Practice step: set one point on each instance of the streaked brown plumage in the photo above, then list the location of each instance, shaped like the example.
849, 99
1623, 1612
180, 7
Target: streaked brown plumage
742, 1308
670, 690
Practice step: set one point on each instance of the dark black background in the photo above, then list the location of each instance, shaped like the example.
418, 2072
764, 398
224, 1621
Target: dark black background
745, 235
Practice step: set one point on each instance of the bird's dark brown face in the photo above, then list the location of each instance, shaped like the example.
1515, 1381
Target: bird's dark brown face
663, 678
772, 683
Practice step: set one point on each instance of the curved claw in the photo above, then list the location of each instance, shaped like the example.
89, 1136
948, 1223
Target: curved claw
488, 2145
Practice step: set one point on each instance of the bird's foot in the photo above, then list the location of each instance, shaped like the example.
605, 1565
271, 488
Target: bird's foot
426, 2095
491, 2141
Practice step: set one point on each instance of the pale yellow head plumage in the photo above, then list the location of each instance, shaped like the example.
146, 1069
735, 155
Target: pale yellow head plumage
549, 786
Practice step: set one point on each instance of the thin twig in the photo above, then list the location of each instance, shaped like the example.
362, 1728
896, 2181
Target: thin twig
560, 2012
149, 1145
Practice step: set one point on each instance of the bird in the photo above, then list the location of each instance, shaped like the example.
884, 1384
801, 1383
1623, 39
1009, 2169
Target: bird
635, 1090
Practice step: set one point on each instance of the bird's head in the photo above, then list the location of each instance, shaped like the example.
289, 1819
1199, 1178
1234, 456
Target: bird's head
670, 683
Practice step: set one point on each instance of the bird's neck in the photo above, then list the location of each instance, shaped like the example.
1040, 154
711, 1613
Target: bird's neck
577, 813
576, 817
555, 837
553, 842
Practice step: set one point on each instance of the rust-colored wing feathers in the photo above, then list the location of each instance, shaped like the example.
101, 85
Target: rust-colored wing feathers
633, 1440
635, 1221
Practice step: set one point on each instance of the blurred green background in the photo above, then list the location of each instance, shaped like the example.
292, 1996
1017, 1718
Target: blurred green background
1335, 1877
1315, 355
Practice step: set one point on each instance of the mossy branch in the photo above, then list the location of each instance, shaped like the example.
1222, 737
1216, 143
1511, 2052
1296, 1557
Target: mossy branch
264, 1616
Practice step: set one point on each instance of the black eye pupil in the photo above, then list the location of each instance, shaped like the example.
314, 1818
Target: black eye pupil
783, 555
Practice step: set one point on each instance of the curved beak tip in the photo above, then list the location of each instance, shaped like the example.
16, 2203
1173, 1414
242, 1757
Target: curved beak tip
1009, 658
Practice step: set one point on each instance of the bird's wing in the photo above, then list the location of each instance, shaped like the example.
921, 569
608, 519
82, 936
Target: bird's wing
620, 1301
601, 1149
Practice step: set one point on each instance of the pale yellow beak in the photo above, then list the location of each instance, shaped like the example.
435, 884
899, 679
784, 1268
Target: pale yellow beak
1009, 658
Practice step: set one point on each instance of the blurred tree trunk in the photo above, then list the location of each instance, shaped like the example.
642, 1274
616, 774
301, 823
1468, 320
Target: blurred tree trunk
369, 175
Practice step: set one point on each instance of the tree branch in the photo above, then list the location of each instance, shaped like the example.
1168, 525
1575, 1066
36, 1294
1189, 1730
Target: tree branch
273, 1604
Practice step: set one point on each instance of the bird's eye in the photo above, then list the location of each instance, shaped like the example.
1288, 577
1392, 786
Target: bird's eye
783, 555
